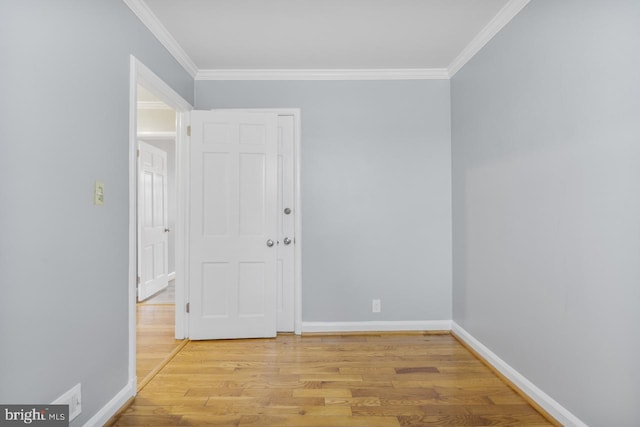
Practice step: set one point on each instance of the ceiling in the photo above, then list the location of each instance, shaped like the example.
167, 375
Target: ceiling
323, 34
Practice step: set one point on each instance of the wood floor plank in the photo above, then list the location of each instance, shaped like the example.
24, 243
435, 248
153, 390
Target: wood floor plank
418, 369
470, 420
331, 377
318, 421
161, 401
371, 380
323, 392
389, 410
268, 392
205, 421
370, 370
352, 401
344, 411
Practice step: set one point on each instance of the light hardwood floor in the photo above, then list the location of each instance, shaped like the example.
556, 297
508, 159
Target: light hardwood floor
154, 337
368, 380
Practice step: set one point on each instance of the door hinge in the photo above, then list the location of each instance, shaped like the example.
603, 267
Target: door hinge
189, 130
138, 280
188, 306
138, 152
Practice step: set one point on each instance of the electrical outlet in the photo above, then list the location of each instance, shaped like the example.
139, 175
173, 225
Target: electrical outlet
73, 398
375, 306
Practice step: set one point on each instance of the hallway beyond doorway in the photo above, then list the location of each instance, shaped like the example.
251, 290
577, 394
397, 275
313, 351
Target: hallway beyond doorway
155, 339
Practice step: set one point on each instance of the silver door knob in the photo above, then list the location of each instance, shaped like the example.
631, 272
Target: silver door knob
287, 211
287, 240
166, 230
269, 243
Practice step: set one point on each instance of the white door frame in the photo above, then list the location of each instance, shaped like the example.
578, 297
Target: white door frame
296, 113
140, 74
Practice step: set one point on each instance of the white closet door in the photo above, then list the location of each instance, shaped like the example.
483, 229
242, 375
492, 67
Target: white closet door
152, 221
286, 223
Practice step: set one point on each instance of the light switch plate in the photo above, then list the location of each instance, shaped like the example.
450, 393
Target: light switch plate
98, 193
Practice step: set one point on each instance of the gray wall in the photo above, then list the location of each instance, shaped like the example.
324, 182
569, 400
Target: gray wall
64, 123
376, 192
546, 202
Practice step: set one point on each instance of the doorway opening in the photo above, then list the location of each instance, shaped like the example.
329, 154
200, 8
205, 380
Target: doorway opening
156, 158
157, 120
156, 218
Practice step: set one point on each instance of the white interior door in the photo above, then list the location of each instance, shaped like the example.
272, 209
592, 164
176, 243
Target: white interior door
286, 223
232, 225
152, 221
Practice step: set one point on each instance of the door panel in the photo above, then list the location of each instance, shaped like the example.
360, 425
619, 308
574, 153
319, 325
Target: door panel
251, 290
252, 194
152, 221
216, 194
233, 207
215, 288
286, 223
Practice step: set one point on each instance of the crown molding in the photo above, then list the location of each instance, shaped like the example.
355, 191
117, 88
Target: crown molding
502, 18
326, 74
151, 21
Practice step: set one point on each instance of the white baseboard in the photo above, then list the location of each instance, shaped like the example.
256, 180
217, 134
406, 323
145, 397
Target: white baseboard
171, 276
383, 326
556, 410
113, 406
